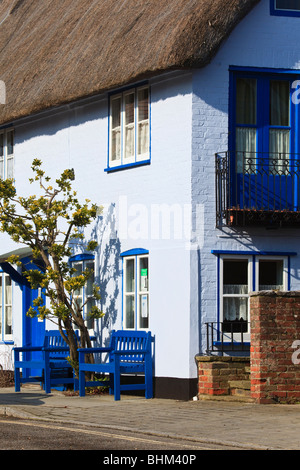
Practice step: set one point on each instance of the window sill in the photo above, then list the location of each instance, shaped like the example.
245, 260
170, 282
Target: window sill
127, 166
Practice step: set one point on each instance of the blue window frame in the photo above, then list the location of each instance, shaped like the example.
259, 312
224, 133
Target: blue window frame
285, 7
129, 128
135, 289
239, 273
264, 132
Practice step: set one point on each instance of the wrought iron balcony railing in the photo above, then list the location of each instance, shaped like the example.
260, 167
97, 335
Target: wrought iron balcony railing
257, 189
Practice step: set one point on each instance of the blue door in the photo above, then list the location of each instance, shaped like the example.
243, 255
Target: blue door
34, 329
263, 143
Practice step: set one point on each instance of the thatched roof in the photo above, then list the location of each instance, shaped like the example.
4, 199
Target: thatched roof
56, 51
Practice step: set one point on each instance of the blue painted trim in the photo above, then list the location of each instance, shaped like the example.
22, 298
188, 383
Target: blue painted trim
258, 253
135, 252
81, 257
6, 126
263, 70
289, 273
279, 12
126, 166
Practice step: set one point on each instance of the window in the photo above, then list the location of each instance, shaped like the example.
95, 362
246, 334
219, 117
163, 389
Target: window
235, 289
264, 123
285, 7
135, 291
6, 154
240, 275
84, 295
5, 307
129, 136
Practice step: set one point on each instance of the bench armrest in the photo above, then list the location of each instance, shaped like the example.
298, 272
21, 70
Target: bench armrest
56, 349
131, 352
94, 350
28, 348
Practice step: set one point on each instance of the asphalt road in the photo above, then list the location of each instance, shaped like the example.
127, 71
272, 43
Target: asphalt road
17, 434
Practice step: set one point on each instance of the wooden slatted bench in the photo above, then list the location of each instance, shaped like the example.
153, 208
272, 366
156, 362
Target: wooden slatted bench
51, 360
129, 352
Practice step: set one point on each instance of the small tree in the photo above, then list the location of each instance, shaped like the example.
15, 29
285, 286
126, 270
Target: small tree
47, 224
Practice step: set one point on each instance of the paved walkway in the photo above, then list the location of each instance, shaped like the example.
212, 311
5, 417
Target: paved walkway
245, 425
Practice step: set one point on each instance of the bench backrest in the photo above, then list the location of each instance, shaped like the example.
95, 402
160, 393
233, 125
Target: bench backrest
131, 340
53, 339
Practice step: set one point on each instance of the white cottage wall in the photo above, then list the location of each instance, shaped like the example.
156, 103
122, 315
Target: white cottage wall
144, 207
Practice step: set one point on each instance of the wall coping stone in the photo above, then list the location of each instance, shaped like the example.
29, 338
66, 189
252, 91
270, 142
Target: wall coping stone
275, 293
222, 359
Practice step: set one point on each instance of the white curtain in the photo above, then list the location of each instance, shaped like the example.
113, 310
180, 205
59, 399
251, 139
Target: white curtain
245, 149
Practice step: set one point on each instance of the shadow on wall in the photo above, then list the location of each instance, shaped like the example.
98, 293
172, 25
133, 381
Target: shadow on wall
107, 270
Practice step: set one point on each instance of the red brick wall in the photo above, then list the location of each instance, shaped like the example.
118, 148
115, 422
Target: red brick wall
275, 327
215, 373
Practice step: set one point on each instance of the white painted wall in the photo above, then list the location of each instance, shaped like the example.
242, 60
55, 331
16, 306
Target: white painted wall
76, 137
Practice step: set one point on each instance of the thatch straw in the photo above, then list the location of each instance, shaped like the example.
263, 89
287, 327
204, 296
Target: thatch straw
56, 51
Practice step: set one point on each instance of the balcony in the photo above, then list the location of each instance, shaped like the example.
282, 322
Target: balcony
256, 189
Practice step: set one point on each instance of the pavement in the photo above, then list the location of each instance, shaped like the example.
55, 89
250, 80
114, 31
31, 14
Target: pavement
238, 425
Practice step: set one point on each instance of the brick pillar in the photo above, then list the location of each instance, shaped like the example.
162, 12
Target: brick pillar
275, 327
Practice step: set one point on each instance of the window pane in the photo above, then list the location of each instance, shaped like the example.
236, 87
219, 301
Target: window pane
90, 281
235, 272
129, 311
143, 104
89, 321
235, 308
246, 101
129, 281
1, 304
279, 148
144, 310
116, 112
115, 150
1, 167
116, 145
78, 267
8, 290
271, 275
235, 290
1, 145
143, 138
129, 108
8, 305
8, 320
287, 4
279, 103
10, 143
129, 141
245, 149
143, 274
10, 167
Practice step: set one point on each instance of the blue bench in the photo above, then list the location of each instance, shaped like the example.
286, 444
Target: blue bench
129, 352
51, 360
